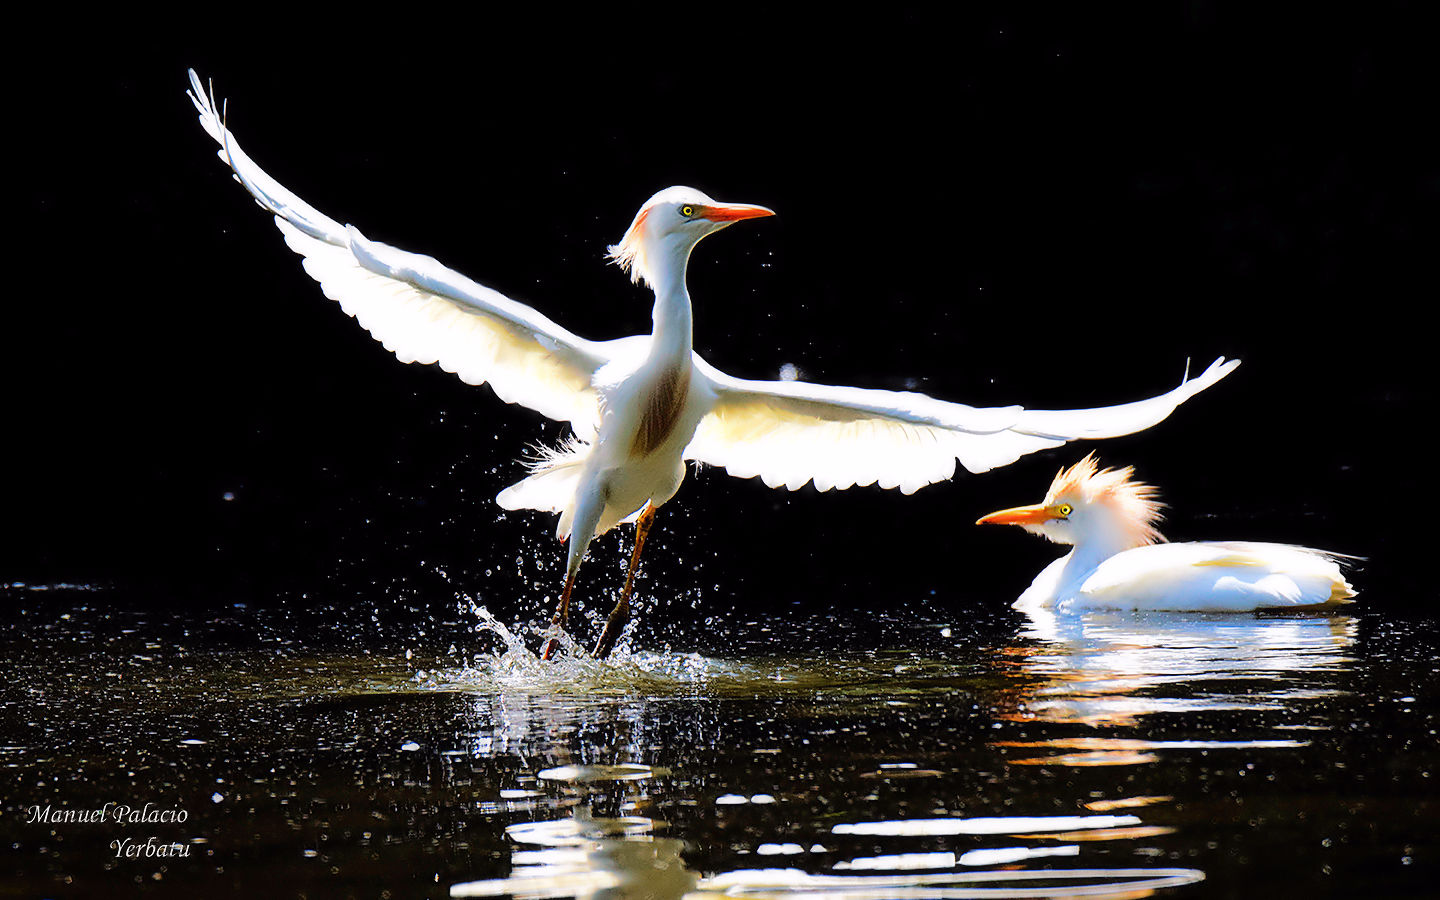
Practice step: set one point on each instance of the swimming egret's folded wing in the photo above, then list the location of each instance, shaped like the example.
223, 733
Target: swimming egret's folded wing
421, 310
1215, 576
792, 432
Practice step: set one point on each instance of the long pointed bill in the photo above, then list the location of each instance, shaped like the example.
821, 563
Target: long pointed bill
1037, 514
734, 212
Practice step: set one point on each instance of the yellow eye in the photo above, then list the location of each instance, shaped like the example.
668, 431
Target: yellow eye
1065, 510
687, 211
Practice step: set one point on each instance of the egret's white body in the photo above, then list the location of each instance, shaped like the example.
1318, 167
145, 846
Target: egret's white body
641, 406
1120, 561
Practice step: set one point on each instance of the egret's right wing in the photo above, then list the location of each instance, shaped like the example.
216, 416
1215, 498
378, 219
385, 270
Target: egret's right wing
792, 432
421, 310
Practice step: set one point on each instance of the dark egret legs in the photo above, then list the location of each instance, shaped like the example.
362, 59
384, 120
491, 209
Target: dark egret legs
621, 613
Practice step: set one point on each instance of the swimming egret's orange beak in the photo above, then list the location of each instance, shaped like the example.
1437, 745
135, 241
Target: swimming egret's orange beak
1037, 514
734, 212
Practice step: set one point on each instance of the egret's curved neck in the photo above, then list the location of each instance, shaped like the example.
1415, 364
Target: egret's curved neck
1093, 548
1083, 560
672, 335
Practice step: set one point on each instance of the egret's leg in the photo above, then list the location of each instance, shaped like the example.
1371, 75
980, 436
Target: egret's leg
591, 503
621, 613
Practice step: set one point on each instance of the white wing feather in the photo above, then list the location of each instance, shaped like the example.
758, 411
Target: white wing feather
419, 309
789, 433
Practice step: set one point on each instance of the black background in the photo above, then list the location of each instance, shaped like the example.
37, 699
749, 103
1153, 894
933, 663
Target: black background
1054, 206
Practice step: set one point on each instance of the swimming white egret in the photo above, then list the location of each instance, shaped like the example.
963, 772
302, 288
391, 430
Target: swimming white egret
1120, 560
641, 406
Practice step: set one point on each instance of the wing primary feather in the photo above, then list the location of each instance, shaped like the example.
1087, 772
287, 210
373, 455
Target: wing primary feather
418, 308
791, 432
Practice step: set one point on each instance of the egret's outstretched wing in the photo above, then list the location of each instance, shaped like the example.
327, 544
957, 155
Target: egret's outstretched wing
421, 310
793, 432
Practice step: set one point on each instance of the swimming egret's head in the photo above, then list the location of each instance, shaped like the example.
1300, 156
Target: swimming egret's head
1087, 503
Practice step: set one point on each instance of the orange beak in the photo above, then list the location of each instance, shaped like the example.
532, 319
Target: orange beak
734, 212
1037, 514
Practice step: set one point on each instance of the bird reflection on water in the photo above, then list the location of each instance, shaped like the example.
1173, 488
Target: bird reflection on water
1104, 668
588, 856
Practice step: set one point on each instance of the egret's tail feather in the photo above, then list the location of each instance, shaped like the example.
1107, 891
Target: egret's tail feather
555, 474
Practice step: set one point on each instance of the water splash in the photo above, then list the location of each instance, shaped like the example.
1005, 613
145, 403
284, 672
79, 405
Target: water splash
513, 666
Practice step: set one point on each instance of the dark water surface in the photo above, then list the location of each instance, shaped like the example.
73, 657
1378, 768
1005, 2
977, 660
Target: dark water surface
938, 756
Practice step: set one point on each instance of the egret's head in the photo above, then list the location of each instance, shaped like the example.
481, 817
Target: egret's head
1086, 503
669, 225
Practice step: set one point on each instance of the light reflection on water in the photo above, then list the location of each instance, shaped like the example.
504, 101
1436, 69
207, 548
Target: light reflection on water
1109, 668
1101, 755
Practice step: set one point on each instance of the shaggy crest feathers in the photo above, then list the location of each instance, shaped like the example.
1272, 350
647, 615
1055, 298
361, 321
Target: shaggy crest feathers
1134, 501
629, 254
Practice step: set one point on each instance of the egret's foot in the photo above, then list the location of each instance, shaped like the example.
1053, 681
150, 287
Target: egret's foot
613, 626
562, 617
552, 644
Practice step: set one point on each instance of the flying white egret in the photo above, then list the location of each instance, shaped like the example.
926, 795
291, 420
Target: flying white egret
641, 406
1121, 561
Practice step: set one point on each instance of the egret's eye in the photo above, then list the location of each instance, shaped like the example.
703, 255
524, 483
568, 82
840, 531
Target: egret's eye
687, 211
1065, 510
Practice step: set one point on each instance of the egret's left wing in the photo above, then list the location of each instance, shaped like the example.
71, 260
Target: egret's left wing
421, 310
792, 432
